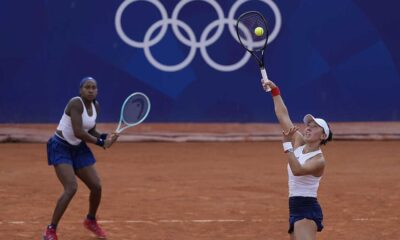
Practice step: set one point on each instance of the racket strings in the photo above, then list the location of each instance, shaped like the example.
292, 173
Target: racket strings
246, 25
135, 109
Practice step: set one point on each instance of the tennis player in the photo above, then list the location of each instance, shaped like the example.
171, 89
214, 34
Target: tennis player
306, 165
68, 153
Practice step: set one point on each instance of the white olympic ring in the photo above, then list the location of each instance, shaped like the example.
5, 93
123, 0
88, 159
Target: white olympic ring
163, 67
192, 41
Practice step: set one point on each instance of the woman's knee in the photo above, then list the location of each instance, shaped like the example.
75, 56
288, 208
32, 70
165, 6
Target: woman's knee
96, 187
70, 188
305, 229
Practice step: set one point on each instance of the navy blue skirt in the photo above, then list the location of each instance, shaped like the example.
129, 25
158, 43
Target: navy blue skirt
305, 207
60, 151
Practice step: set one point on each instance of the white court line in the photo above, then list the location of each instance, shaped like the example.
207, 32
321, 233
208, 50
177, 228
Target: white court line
16, 222
155, 222
218, 220
149, 221
137, 221
202, 220
376, 219
105, 221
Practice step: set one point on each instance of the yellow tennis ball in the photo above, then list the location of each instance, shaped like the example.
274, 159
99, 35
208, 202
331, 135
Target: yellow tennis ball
259, 31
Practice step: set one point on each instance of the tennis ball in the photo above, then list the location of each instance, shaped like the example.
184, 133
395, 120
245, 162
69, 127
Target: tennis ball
259, 31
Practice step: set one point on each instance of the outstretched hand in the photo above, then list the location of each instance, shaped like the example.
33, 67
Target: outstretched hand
287, 135
267, 84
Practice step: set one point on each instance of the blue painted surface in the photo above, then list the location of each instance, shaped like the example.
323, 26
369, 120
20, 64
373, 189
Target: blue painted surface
335, 59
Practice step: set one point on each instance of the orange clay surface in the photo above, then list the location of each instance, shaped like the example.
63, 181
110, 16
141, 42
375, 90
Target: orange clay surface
203, 191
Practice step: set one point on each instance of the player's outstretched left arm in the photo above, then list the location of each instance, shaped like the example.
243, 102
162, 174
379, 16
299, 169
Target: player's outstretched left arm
282, 112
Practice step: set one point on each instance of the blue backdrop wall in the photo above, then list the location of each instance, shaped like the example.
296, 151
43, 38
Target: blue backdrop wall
335, 59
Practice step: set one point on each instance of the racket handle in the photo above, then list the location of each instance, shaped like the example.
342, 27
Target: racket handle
265, 77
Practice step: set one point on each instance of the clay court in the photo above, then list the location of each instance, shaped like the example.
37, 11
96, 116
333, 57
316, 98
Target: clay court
227, 190
203, 157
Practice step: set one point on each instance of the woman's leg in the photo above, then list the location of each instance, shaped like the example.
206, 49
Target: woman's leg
305, 229
66, 175
89, 176
292, 237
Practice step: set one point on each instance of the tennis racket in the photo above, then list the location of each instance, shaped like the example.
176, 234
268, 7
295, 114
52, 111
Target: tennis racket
134, 111
254, 42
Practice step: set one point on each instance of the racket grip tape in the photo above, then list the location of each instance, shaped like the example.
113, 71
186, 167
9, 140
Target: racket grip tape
265, 77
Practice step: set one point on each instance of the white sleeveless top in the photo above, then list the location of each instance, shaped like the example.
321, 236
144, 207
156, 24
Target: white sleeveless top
88, 122
307, 185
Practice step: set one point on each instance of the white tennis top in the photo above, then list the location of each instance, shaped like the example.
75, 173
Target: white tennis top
88, 122
307, 185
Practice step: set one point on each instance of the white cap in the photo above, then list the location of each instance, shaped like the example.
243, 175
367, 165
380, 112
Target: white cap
319, 121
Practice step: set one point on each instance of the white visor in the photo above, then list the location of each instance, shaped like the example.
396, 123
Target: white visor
319, 121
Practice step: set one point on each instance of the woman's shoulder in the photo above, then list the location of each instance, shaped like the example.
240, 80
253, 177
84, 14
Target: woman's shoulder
74, 103
75, 99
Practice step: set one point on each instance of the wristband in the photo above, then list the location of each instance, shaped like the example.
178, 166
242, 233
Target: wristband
275, 92
100, 142
287, 146
103, 136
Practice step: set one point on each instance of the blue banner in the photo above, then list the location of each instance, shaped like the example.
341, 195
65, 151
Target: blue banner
336, 59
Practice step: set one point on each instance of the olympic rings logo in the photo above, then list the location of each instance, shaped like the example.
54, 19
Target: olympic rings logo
204, 41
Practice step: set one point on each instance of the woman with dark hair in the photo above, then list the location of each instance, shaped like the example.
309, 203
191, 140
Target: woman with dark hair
68, 153
306, 165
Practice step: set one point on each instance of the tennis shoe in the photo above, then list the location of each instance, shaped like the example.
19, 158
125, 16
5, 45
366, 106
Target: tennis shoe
50, 234
92, 226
